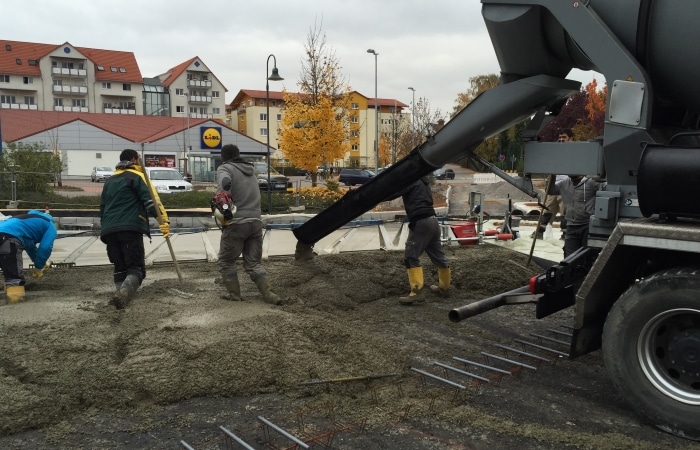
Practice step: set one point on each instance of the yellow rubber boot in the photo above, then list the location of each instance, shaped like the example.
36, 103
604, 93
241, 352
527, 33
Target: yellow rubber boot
415, 280
444, 279
14, 293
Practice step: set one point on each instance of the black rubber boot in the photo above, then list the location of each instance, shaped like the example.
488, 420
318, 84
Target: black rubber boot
269, 296
126, 291
233, 288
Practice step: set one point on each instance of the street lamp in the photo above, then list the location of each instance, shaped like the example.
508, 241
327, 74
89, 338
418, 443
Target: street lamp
376, 114
274, 77
413, 112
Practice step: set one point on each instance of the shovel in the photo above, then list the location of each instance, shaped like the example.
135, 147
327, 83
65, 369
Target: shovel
156, 203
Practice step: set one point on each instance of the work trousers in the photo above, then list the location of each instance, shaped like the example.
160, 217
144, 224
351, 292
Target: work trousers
576, 237
11, 261
424, 236
242, 239
126, 251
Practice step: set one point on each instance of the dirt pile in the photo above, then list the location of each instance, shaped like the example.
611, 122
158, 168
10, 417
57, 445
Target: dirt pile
179, 361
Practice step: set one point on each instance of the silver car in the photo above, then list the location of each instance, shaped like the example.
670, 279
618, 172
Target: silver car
101, 173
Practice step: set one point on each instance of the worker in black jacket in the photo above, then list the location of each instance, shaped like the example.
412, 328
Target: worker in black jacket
126, 201
423, 236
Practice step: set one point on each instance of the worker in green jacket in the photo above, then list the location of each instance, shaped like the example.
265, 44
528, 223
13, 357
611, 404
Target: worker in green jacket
126, 202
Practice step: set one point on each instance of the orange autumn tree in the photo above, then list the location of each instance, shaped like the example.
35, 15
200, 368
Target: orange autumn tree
315, 125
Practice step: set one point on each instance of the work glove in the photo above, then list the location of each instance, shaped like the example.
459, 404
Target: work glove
37, 273
165, 229
163, 215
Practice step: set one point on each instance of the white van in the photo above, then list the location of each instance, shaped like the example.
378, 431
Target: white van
167, 181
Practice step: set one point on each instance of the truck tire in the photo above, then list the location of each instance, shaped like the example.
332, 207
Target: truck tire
651, 348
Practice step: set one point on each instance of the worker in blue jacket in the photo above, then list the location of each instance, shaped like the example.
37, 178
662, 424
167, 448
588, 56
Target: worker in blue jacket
34, 233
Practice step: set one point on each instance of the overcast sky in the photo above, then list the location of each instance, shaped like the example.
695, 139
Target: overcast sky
432, 46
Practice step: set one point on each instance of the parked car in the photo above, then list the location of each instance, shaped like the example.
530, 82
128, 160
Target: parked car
101, 173
444, 174
186, 175
167, 181
278, 182
351, 177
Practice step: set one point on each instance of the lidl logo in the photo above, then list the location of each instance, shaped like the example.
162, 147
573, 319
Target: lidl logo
211, 137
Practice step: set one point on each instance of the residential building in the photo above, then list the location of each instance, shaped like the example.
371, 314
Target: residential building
247, 113
66, 78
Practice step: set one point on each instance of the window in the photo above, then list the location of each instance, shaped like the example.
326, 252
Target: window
203, 110
355, 119
28, 100
263, 116
101, 68
107, 105
58, 82
215, 94
355, 147
127, 86
67, 65
122, 70
216, 111
32, 62
4, 78
355, 106
18, 61
261, 102
106, 85
57, 102
28, 80
79, 102
180, 109
354, 133
274, 102
113, 69
250, 102
98, 155
7, 98
179, 91
279, 116
263, 131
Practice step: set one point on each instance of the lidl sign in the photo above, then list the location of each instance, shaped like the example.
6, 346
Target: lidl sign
210, 137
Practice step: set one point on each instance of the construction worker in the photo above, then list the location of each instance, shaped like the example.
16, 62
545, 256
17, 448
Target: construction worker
555, 204
125, 203
33, 232
423, 236
242, 234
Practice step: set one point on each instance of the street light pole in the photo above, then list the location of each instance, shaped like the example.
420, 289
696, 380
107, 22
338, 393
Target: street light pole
413, 116
274, 77
376, 114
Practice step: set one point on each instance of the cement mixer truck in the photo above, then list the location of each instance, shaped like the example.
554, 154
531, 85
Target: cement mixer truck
635, 287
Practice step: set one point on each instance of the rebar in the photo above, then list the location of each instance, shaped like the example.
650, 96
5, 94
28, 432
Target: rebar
282, 432
510, 361
542, 347
240, 441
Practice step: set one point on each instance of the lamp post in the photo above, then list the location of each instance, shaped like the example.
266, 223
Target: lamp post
376, 114
413, 113
274, 77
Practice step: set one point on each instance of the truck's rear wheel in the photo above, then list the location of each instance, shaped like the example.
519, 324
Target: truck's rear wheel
651, 347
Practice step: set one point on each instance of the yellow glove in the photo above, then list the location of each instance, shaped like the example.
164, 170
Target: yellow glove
163, 215
165, 229
36, 273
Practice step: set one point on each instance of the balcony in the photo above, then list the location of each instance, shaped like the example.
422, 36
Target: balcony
61, 72
201, 116
199, 83
71, 108
17, 106
72, 90
199, 99
119, 111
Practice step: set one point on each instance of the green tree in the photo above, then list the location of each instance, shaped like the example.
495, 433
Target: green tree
316, 121
33, 167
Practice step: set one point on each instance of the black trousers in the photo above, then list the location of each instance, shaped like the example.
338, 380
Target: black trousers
125, 250
11, 261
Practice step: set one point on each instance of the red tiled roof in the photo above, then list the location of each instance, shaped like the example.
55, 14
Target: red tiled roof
23, 51
18, 124
113, 58
105, 58
278, 95
167, 78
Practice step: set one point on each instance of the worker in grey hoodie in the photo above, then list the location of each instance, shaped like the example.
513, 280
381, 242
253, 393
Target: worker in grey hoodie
241, 233
578, 193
